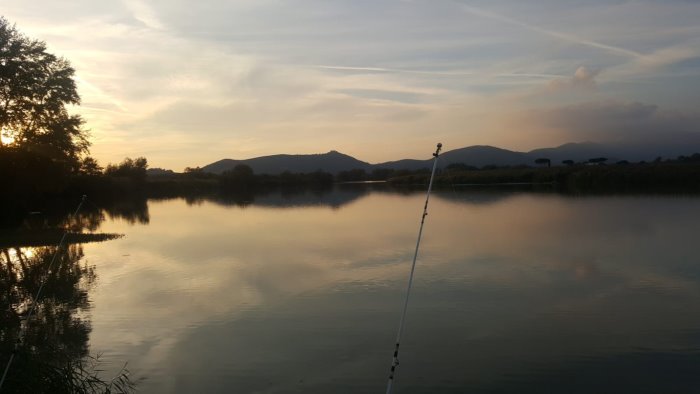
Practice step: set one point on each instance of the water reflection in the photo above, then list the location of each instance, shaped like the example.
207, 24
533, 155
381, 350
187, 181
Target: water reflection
300, 292
331, 196
134, 210
51, 351
57, 335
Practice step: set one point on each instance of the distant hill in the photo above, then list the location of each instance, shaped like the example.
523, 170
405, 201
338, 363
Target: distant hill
332, 162
484, 155
478, 156
406, 164
574, 151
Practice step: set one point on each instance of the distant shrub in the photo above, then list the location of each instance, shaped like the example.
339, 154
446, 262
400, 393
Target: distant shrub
134, 169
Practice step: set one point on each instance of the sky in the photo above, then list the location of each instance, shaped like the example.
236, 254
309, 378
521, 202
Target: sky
186, 83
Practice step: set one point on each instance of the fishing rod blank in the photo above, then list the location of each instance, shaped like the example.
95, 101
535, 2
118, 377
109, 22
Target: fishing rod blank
395, 360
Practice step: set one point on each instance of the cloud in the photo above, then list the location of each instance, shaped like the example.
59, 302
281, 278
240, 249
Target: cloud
385, 95
638, 126
144, 14
264, 76
608, 118
583, 78
571, 38
651, 64
671, 55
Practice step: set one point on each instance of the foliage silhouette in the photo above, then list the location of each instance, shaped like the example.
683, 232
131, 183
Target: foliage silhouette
679, 175
134, 169
35, 88
543, 161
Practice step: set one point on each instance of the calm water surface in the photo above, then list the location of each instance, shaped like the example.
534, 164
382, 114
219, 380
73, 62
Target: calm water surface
514, 292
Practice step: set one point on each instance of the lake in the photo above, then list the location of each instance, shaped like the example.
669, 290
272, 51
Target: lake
515, 292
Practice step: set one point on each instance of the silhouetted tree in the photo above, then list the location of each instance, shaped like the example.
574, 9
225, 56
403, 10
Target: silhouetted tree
319, 178
568, 162
242, 171
134, 169
381, 174
198, 173
694, 158
460, 167
543, 161
598, 160
89, 166
354, 175
35, 88
240, 176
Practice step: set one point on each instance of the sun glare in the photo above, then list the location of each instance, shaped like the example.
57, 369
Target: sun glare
6, 139
26, 253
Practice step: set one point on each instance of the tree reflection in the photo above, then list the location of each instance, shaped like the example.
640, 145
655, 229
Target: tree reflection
51, 348
134, 210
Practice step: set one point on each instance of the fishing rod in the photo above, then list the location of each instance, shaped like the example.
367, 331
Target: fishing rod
36, 298
395, 360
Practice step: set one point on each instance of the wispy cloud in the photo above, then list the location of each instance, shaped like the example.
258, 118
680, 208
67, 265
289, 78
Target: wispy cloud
246, 78
92, 90
552, 33
144, 13
583, 78
670, 55
395, 70
450, 73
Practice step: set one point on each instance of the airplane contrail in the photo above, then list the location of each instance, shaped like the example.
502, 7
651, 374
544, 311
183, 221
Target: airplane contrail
551, 33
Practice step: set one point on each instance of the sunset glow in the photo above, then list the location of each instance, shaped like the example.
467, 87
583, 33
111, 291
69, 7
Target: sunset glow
225, 196
186, 84
5, 138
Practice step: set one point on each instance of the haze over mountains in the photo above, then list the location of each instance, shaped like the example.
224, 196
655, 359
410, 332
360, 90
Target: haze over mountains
478, 156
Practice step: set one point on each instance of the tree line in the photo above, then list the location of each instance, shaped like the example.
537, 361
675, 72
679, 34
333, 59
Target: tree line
680, 175
44, 149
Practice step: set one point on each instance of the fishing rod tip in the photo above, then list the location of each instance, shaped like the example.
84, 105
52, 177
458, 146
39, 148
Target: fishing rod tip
437, 151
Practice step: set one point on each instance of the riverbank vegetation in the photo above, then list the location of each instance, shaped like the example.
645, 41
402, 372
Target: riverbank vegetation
32, 181
44, 153
674, 175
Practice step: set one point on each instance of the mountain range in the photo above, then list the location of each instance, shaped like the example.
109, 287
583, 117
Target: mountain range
478, 156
